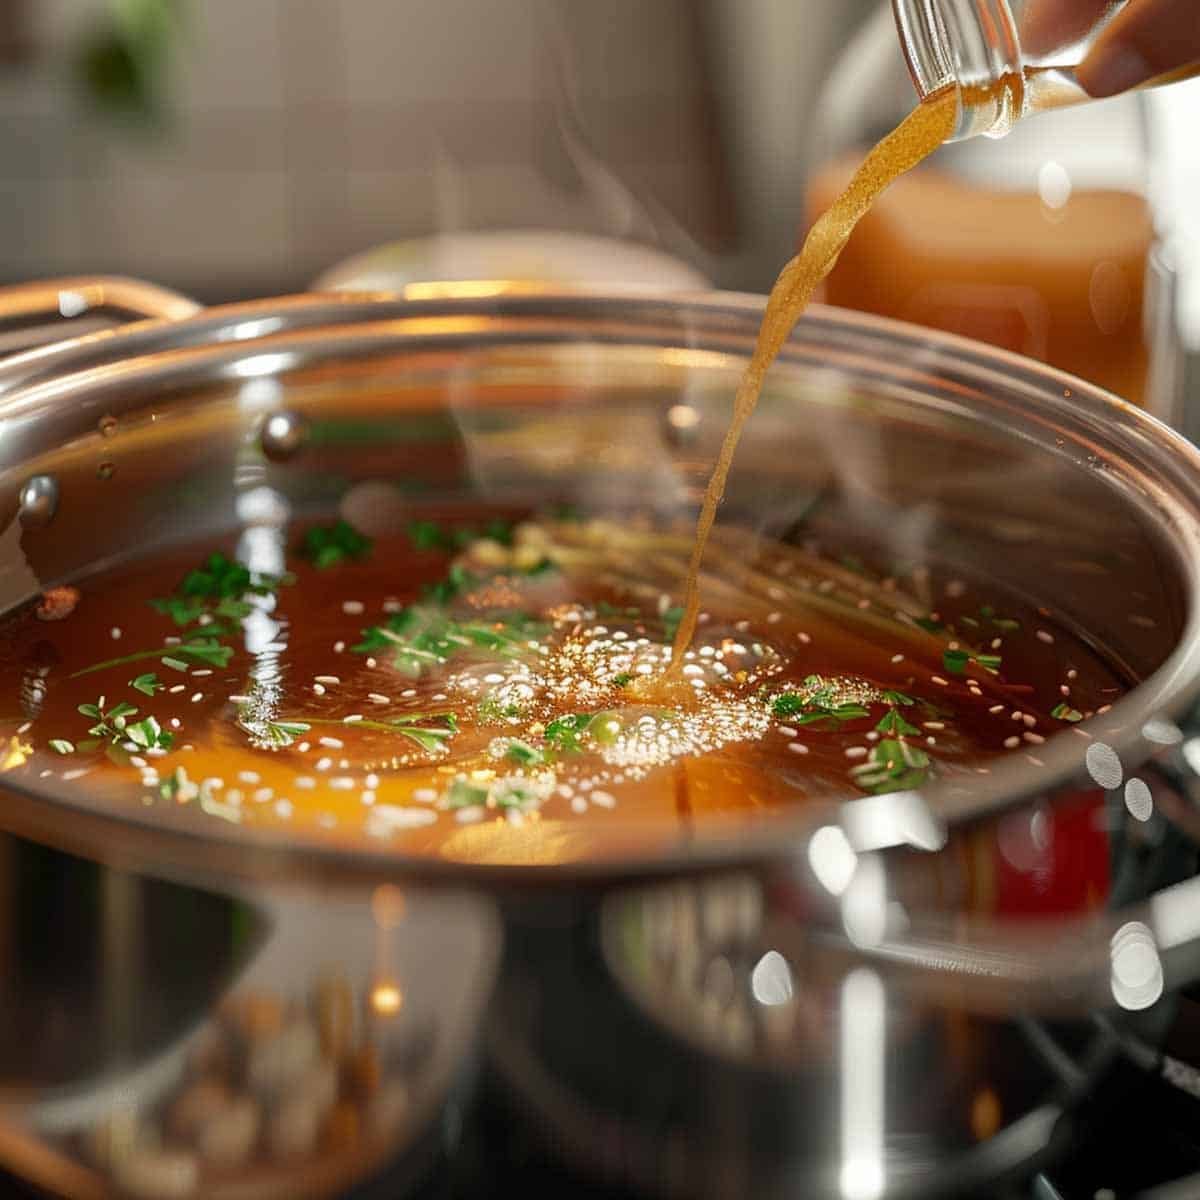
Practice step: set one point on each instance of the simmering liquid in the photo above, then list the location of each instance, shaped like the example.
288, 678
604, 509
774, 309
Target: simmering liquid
472, 695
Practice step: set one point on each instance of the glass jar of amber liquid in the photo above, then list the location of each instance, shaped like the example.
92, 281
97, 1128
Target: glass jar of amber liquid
1039, 237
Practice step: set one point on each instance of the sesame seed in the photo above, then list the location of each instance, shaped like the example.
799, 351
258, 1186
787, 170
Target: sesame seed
1064, 689
897, 658
1072, 674
330, 743
856, 752
424, 795
323, 764
307, 782
604, 799
1030, 721
938, 680
137, 761
352, 719
116, 633
931, 740
197, 697
342, 783
996, 708
470, 815
176, 723
330, 679
997, 643
578, 804
371, 663
338, 647
372, 781
353, 607
797, 747
804, 638
318, 689
177, 688
249, 776
1017, 714
1035, 738
774, 618
408, 693
239, 699
378, 698
1043, 636
304, 747
788, 731
391, 604
263, 794
1011, 743
367, 797
283, 808
934, 725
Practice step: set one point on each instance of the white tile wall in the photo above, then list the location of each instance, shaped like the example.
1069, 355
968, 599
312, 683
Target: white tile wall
304, 130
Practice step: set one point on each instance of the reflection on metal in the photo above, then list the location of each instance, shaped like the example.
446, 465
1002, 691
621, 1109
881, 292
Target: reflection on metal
862, 1057
832, 859
864, 903
771, 980
1104, 766
262, 364
1191, 754
386, 998
1162, 732
38, 501
896, 819
283, 434
1138, 800
1137, 974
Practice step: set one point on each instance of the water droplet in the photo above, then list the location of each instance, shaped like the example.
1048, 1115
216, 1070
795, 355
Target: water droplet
106, 470
107, 426
38, 501
283, 434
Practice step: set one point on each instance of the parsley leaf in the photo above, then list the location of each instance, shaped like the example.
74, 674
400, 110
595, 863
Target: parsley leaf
147, 684
892, 766
1064, 712
894, 724
955, 661
327, 545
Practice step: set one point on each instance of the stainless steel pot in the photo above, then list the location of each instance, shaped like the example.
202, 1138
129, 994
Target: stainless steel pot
854, 950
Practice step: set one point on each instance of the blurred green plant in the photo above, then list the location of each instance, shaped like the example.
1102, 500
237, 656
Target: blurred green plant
123, 64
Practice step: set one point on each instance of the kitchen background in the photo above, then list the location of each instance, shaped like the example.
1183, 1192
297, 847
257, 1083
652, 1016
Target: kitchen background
230, 148
281, 135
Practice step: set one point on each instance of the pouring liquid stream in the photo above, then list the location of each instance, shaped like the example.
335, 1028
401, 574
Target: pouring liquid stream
918, 136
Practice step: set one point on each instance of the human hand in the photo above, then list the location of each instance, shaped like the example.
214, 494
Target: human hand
1146, 39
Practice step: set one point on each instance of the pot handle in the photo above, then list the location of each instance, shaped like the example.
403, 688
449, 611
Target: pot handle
50, 310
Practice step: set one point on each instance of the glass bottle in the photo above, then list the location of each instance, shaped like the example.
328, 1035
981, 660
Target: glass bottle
1008, 58
1044, 242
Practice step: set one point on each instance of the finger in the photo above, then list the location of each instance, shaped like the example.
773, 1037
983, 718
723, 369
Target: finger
1046, 24
1147, 39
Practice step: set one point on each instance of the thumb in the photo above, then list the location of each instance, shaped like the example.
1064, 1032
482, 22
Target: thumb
1146, 39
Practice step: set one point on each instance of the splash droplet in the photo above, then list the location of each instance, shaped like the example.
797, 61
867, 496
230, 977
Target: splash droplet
106, 470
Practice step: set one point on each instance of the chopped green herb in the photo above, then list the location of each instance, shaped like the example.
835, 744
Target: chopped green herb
563, 733
955, 661
892, 766
421, 637
272, 735
1006, 623
490, 709
61, 746
893, 724
428, 535
989, 662
604, 609
523, 754
147, 734
221, 578
199, 647
327, 545
929, 624
176, 664
463, 794
805, 708
624, 679
1064, 712
147, 684
898, 698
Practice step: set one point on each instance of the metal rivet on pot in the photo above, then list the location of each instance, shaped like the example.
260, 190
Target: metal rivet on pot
681, 424
106, 470
282, 435
107, 425
38, 501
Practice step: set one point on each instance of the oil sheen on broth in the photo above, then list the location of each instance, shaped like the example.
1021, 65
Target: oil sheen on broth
537, 692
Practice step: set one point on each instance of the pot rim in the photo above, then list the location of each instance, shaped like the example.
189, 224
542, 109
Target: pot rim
36, 382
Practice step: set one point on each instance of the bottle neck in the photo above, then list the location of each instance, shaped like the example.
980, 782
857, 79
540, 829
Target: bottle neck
971, 45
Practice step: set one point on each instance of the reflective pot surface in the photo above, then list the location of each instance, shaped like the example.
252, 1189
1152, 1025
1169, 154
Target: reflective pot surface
901, 994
